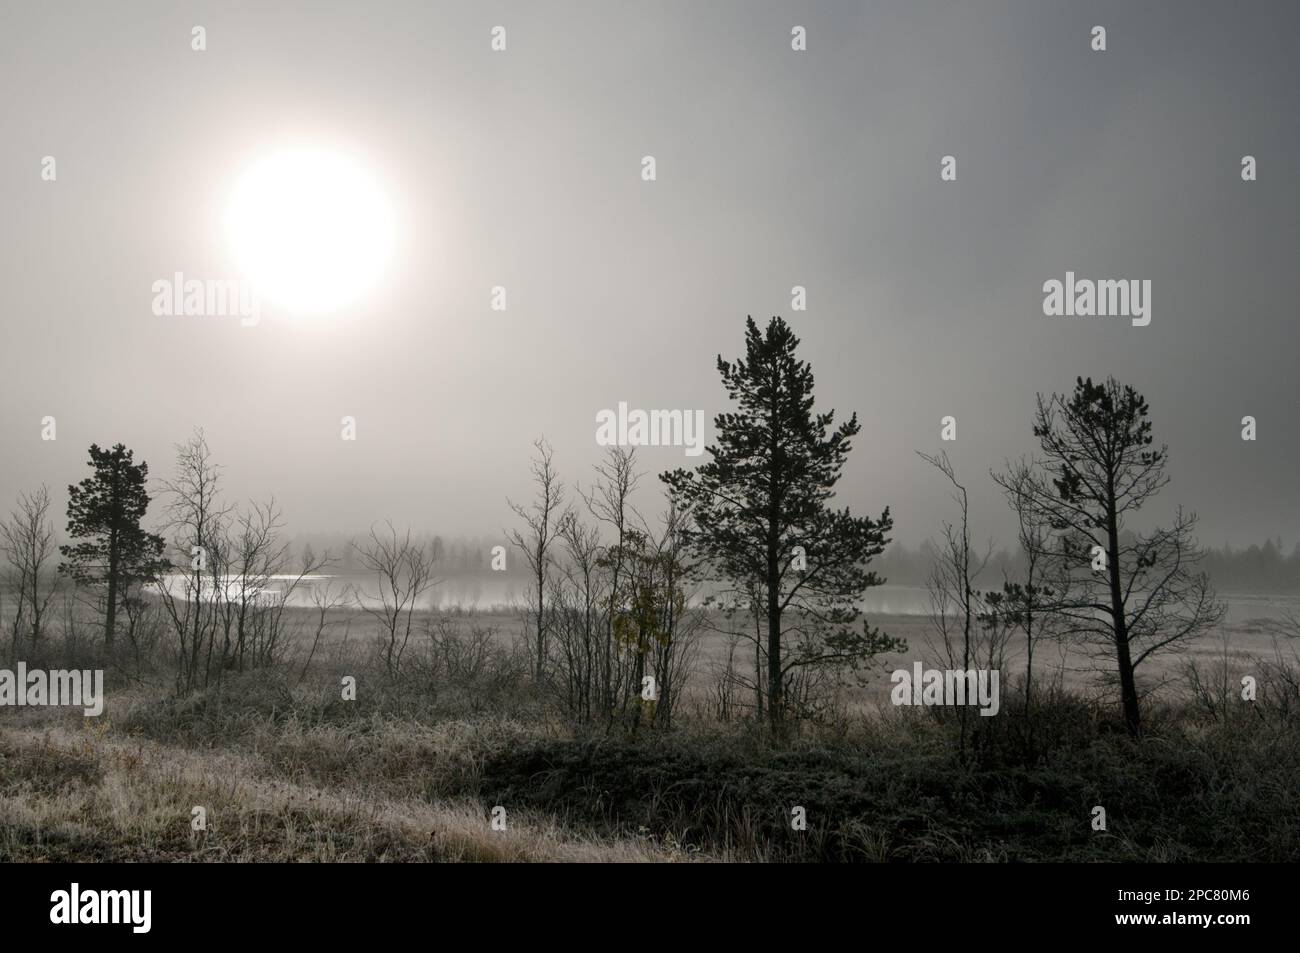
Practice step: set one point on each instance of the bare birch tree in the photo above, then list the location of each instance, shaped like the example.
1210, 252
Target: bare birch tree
404, 573
542, 520
27, 543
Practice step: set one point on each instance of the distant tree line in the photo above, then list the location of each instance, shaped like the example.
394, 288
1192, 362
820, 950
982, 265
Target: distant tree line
1262, 568
1255, 568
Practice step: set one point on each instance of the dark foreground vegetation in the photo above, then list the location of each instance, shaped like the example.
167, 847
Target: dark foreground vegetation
287, 771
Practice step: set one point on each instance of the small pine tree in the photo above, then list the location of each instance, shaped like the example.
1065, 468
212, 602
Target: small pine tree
104, 513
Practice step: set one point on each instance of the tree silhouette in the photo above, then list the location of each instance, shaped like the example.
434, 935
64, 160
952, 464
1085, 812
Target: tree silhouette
104, 511
1134, 593
761, 518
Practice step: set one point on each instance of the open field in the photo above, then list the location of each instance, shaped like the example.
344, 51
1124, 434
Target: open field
412, 769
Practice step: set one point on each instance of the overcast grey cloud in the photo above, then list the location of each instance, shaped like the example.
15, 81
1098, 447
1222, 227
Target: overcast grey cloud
522, 169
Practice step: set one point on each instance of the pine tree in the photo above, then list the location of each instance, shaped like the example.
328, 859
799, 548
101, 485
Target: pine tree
104, 512
1133, 594
762, 519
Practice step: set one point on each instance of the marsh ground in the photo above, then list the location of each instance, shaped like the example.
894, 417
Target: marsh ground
411, 770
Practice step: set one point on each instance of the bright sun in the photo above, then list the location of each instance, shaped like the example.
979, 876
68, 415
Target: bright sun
310, 229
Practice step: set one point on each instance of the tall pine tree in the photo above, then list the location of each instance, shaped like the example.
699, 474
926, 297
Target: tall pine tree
104, 513
763, 523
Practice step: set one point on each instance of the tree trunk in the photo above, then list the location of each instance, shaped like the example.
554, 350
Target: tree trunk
110, 615
775, 696
775, 702
541, 615
1119, 621
1127, 683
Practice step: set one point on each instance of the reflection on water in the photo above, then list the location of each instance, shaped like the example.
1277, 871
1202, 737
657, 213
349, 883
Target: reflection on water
496, 590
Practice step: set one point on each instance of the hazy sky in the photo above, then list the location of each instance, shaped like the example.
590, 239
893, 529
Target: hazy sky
775, 168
